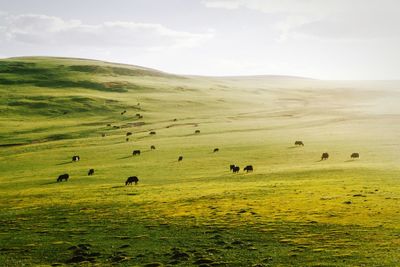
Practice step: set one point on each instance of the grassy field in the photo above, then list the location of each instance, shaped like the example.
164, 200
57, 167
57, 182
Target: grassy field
293, 210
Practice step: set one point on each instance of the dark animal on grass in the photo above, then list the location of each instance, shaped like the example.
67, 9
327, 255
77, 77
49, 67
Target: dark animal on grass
216, 150
152, 133
236, 169
63, 177
152, 147
90, 172
128, 133
324, 156
180, 158
299, 143
248, 168
355, 155
108, 125
76, 158
175, 119
127, 139
197, 131
123, 112
132, 179
103, 135
137, 114
141, 117
136, 152
231, 167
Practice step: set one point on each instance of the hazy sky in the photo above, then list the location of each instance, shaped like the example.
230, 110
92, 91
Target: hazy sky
326, 39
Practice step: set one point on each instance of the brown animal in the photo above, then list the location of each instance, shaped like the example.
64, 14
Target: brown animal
355, 155
127, 139
152, 147
216, 150
197, 131
136, 152
128, 133
180, 158
324, 156
91, 172
299, 143
231, 167
152, 133
103, 135
132, 179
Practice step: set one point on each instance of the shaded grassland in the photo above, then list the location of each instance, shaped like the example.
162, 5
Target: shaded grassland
293, 210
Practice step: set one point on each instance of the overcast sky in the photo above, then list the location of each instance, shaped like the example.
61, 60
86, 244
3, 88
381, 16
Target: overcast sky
324, 39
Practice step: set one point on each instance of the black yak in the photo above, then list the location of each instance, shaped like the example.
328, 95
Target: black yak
63, 177
132, 179
248, 168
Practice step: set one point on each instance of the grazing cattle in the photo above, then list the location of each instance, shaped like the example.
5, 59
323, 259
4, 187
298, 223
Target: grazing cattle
152, 147
197, 131
63, 177
137, 114
127, 139
152, 133
141, 117
299, 143
180, 158
76, 158
132, 179
91, 172
103, 135
324, 156
108, 125
123, 112
136, 152
236, 169
128, 133
248, 168
216, 150
175, 119
355, 155
231, 167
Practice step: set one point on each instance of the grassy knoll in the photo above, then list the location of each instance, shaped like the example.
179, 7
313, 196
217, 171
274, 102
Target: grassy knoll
293, 210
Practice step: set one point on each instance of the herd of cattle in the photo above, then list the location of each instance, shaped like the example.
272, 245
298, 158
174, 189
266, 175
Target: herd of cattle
232, 167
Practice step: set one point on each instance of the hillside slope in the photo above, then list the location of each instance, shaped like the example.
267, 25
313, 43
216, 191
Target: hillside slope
293, 210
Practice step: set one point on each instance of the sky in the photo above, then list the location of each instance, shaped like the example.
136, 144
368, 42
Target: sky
322, 39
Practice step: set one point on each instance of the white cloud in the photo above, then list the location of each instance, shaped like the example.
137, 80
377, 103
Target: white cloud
328, 19
35, 29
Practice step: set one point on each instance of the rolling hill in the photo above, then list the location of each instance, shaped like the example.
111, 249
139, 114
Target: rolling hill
292, 210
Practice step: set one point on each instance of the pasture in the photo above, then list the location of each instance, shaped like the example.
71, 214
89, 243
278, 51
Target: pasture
293, 210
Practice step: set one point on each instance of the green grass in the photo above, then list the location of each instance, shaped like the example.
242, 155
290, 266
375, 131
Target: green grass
293, 210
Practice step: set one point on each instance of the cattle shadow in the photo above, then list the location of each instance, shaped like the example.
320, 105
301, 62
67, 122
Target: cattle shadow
48, 183
63, 163
126, 157
118, 186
